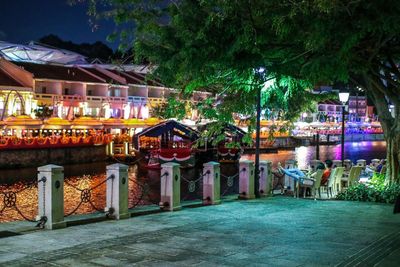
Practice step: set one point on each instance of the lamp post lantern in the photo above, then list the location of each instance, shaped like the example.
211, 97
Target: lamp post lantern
343, 97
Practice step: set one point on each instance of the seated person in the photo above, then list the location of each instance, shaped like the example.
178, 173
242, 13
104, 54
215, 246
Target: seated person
297, 174
327, 172
320, 166
382, 163
370, 170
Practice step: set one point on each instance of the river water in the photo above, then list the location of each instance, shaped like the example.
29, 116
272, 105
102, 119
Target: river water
367, 150
144, 185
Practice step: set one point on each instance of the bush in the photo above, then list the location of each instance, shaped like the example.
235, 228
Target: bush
375, 191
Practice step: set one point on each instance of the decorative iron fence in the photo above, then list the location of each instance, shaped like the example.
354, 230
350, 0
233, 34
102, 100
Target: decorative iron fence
229, 184
81, 196
20, 201
191, 189
88, 193
143, 191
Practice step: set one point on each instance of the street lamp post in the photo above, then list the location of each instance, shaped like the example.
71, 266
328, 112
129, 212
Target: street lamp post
344, 97
260, 76
260, 72
257, 159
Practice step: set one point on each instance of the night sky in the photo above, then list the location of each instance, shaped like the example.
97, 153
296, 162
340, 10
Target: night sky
24, 20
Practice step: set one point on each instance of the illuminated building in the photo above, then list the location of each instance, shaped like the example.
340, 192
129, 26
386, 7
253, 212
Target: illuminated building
33, 76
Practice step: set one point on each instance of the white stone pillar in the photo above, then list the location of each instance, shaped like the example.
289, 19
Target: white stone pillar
246, 179
51, 195
289, 181
265, 177
170, 186
211, 183
117, 191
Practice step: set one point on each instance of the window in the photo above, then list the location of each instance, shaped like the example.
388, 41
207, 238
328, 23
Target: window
44, 90
66, 91
89, 92
117, 92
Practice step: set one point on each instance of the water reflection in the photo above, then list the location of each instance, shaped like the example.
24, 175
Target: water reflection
352, 150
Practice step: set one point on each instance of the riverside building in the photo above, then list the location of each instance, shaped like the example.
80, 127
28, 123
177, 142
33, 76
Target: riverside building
34, 76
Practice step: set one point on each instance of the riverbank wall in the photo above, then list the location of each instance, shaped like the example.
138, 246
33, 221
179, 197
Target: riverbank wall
363, 137
334, 139
21, 158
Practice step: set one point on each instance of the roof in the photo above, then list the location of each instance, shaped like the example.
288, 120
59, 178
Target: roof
7, 80
56, 72
135, 78
129, 78
103, 76
166, 127
34, 52
331, 102
142, 78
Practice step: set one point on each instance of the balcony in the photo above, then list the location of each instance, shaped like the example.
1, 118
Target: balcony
155, 101
106, 99
55, 97
137, 99
74, 98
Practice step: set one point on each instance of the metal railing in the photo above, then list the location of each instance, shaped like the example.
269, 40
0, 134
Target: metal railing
192, 188
88, 194
229, 184
143, 191
20, 201
90, 198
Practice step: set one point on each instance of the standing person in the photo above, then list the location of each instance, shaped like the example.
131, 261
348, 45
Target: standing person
327, 172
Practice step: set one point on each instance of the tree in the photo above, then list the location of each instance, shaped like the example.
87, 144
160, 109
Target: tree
353, 41
220, 44
92, 51
316, 40
173, 108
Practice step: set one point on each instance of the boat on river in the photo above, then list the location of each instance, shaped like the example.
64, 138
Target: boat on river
168, 141
230, 147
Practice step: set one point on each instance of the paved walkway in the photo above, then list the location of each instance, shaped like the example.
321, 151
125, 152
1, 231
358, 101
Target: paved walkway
279, 231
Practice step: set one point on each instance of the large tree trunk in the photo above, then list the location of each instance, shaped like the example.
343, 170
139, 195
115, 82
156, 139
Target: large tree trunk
393, 156
390, 125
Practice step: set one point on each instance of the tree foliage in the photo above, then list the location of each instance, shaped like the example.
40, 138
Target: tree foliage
219, 44
96, 50
209, 45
